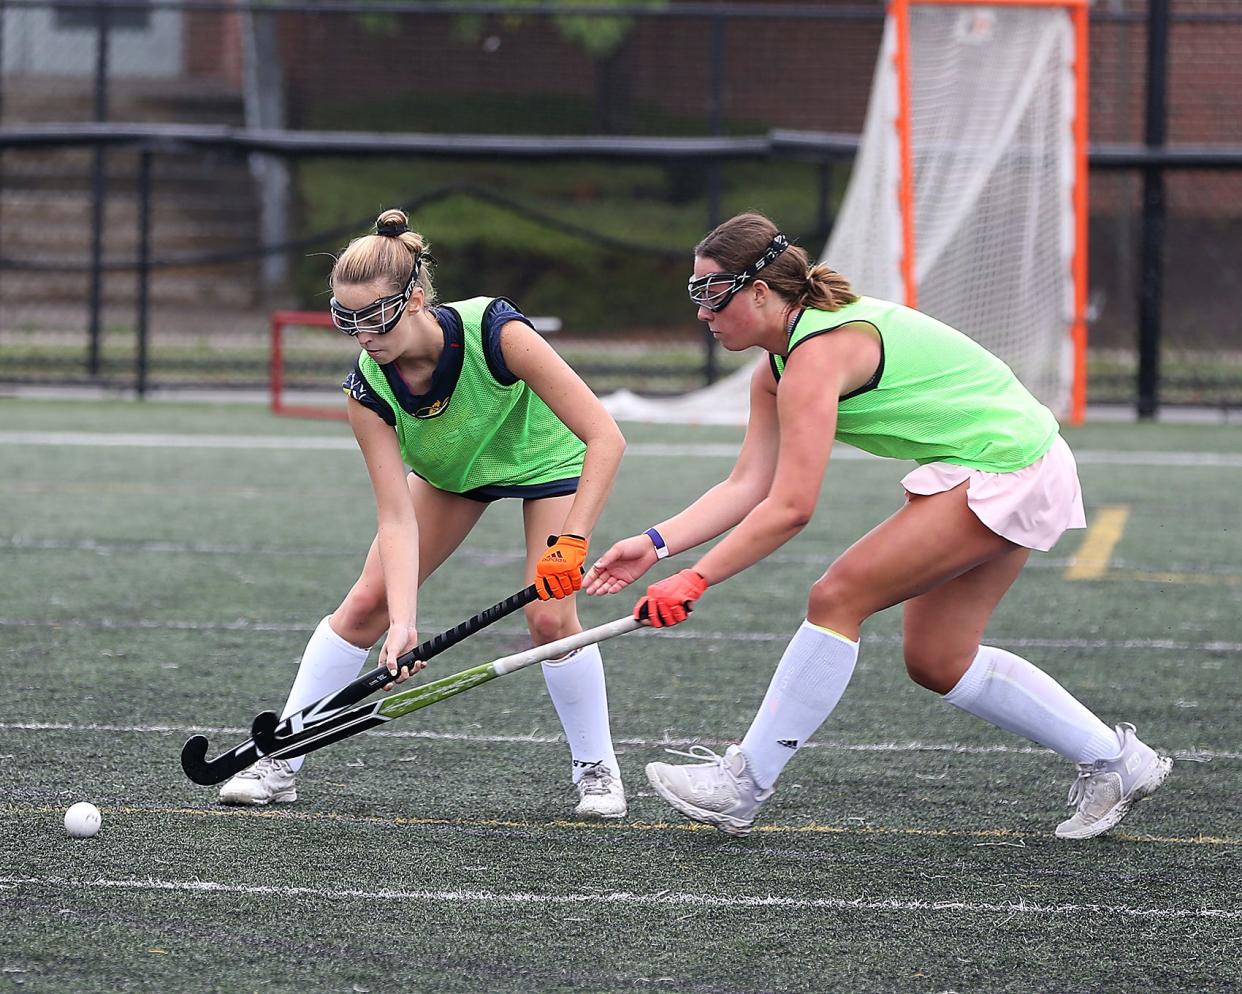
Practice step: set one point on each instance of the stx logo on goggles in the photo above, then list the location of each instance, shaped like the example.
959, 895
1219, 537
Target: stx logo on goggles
378, 317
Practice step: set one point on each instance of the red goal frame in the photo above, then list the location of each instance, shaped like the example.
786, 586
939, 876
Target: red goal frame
276, 377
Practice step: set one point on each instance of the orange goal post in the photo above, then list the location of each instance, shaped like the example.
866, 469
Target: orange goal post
968, 197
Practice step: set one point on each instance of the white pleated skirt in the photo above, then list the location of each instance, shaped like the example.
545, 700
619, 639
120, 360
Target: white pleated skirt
1032, 507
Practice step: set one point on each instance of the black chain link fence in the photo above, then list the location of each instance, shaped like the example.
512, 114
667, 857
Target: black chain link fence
600, 240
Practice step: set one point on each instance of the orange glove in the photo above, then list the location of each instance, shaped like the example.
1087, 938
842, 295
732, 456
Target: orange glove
559, 571
668, 602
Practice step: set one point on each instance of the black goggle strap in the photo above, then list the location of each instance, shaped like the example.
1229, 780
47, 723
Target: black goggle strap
351, 322
718, 300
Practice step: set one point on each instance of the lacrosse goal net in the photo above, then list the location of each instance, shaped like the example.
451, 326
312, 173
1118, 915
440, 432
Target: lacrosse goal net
967, 198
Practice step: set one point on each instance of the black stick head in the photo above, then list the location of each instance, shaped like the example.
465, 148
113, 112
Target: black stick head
644, 610
263, 731
206, 771
194, 759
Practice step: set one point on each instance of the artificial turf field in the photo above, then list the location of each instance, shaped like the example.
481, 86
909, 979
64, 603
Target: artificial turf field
166, 583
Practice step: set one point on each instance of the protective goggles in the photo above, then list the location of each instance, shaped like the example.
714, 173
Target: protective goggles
378, 317
714, 291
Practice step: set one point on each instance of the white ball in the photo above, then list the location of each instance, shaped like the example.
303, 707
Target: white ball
82, 820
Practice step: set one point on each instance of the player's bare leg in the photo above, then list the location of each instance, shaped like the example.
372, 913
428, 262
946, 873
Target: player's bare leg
943, 631
927, 542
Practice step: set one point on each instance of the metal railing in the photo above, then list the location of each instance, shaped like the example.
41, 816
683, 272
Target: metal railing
1166, 173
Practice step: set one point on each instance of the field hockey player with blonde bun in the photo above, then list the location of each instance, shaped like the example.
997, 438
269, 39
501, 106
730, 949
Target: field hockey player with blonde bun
454, 406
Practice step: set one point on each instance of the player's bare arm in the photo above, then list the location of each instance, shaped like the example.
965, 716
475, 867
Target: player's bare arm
816, 374
397, 531
533, 360
713, 514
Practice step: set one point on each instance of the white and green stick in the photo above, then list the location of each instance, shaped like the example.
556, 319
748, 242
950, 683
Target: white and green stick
346, 723
277, 731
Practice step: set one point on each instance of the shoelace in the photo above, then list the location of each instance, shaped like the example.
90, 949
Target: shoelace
743, 780
257, 771
702, 754
1082, 785
597, 780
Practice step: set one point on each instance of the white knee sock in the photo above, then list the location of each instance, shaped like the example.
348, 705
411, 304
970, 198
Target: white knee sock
1010, 693
806, 686
328, 663
576, 686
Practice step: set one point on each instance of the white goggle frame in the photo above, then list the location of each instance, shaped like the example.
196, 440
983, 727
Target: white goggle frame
378, 317
714, 291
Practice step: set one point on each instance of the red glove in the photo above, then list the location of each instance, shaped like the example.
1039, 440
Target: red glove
559, 571
668, 602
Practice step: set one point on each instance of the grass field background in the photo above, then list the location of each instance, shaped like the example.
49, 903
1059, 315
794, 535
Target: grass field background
164, 565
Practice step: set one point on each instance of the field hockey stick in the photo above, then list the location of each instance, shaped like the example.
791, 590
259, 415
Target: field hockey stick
343, 724
206, 771
270, 732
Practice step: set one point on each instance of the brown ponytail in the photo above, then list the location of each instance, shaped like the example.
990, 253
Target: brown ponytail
826, 289
741, 240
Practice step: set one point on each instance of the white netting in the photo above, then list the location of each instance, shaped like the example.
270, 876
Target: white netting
992, 104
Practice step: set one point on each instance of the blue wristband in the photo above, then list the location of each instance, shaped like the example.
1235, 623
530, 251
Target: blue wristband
658, 541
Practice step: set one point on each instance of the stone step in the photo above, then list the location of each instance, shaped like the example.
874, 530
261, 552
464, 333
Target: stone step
204, 214
170, 242
121, 248
45, 226
224, 287
201, 201
31, 98
70, 168
61, 323
56, 225
72, 203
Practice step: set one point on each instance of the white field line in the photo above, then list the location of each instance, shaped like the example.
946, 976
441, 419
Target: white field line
668, 740
713, 450
669, 899
690, 635
1167, 573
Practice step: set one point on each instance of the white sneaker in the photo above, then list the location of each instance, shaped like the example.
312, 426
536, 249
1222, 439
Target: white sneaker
600, 793
717, 790
267, 781
1106, 789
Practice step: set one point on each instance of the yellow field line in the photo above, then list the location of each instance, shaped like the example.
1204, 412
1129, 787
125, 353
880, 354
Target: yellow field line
1094, 558
561, 824
1096, 551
